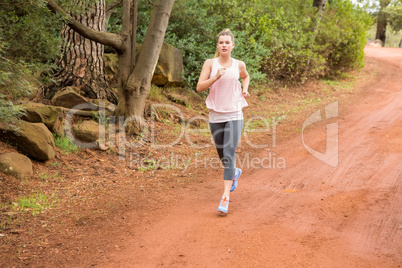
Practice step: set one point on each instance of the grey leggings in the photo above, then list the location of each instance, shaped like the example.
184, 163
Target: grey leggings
226, 136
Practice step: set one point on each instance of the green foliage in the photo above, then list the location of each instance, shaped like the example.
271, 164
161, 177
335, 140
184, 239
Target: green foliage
65, 144
276, 40
37, 203
342, 36
31, 31
13, 85
193, 29
394, 14
155, 94
28, 45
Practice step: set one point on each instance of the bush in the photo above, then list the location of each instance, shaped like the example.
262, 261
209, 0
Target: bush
29, 38
276, 40
13, 85
342, 36
32, 32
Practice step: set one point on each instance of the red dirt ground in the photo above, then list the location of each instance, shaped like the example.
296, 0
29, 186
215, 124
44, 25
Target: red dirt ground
306, 215
299, 212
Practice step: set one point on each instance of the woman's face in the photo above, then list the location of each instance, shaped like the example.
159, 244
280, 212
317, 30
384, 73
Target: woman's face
225, 45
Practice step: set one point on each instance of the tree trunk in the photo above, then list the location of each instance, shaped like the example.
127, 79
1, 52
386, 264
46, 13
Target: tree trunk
133, 93
381, 31
320, 4
81, 64
134, 81
382, 22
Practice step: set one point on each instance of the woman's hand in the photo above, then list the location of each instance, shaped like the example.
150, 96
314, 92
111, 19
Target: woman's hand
246, 94
220, 72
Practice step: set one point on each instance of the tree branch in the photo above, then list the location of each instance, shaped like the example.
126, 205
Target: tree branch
108, 39
113, 5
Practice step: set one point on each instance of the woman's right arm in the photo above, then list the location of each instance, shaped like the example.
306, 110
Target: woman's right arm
204, 82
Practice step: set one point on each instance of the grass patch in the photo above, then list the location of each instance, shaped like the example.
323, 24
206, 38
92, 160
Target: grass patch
337, 85
155, 94
35, 203
65, 144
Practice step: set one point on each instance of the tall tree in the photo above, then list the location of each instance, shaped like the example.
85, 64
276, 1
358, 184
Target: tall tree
382, 21
134, 79
81, 63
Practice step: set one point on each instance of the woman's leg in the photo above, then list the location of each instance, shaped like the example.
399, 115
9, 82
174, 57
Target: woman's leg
217, 131
231, 139
226, 137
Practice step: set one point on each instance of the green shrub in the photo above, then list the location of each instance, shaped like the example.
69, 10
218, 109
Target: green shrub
277, 39
342, 36
29, 37
32, 32
13, 85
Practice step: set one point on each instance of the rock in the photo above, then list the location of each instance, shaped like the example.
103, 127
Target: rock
104, 104
179, 99
16, 165
376, 43
168, 71
69, 98
87, 131
184, 96
32, 139
51, 116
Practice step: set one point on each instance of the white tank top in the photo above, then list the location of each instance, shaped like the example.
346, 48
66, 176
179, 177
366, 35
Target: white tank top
225, 99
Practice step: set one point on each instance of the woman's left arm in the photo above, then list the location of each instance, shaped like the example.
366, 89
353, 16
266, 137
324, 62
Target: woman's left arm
245, 78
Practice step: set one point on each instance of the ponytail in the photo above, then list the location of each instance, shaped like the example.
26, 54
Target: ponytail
216, 53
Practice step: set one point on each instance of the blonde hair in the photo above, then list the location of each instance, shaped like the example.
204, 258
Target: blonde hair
223, 33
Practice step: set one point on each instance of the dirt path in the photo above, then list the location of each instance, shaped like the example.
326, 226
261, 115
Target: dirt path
309, 214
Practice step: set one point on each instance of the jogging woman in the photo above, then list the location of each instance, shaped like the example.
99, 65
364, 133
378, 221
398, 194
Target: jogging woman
225, 101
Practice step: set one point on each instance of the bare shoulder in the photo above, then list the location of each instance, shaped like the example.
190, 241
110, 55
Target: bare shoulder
208, 62
242, 65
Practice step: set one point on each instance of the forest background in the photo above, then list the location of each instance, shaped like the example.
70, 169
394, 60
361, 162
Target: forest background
279, 40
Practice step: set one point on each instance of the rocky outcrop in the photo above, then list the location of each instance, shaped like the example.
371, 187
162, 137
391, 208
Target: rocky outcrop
51, 116
32, 139
168, 71
16, 165
69, 97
